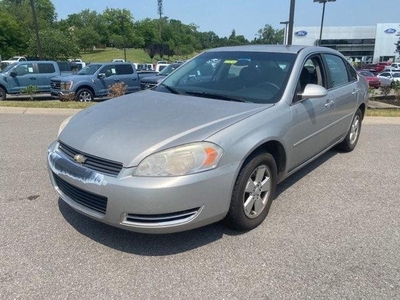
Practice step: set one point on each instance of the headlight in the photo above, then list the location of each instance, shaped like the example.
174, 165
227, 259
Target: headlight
182, 160
66, 85
63, 125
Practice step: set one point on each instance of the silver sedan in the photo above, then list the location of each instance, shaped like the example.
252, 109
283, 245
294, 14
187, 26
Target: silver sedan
211, 141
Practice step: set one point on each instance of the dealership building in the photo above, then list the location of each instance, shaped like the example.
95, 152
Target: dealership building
367, 44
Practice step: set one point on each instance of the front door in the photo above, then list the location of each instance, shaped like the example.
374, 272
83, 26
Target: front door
25, 76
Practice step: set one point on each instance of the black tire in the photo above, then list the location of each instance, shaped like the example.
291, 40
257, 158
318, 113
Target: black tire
84, 95
249, 189
2, 94
350, 142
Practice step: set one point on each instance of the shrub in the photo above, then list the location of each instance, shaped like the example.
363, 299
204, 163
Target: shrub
117, 89
385, 90
30, 90
396, 88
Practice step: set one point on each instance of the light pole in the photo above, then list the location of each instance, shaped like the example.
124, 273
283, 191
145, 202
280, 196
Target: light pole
285, 32
322, 18
291, 22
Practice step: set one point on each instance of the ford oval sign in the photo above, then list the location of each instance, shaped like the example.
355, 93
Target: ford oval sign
300, 33
390, 30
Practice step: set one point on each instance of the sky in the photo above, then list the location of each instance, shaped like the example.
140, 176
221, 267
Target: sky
246, 17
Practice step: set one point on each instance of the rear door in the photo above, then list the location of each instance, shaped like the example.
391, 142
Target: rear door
46, 71
127, 74
343, 91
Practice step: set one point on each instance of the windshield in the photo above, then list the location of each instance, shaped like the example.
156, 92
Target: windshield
168, 69
7, 68
247, 76
366, 74
89, 70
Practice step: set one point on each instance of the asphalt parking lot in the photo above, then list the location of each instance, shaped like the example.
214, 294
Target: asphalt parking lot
333, 232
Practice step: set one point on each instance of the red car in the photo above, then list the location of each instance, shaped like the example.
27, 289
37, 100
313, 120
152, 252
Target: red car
373, 81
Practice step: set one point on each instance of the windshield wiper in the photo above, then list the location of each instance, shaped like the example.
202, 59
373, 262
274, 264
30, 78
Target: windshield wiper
171, 89
215, 96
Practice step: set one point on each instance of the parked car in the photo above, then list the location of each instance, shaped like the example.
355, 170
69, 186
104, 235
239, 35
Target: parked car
160, 67
152, 80
19, 75
118, 60
372, 80
94, 81
393, 76
199, 148
395, 66
385, 81
145, 67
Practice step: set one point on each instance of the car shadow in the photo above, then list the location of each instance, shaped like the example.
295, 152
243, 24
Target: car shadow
166, 244
288, 182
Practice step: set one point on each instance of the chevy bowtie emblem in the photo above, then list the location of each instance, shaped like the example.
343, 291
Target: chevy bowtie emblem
79, 158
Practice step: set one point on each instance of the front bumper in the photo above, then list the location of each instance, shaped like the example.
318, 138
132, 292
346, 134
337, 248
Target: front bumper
143, 204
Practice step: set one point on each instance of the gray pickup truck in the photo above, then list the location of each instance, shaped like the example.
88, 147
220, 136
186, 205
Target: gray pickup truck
19, 75
94, 80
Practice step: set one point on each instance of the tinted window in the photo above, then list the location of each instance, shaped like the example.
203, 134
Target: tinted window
352, 72
109, 70
124, 69
23, 69
46, 68
337, 70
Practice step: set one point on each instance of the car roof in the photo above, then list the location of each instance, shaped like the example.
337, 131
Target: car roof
269, 48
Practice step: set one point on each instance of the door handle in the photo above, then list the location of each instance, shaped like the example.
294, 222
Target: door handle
329, 103
354, 92
32, 78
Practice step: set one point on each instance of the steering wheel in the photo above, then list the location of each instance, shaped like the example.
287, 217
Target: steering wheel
267, 86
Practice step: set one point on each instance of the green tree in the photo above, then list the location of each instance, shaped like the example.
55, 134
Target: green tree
11, 36
55, 45
269, 35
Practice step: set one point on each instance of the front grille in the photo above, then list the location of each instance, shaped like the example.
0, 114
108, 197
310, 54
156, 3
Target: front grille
98, 164
92, 201
55, 84
147, 85
162, 219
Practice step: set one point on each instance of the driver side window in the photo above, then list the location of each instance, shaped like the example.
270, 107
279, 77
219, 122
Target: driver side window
311, 73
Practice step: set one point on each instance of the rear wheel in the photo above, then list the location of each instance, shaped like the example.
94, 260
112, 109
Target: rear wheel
2, 93
352, 136
253, 193
84, 95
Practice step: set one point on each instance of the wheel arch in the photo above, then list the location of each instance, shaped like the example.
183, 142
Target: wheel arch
362, 107
5, 90
276, 149
85, 86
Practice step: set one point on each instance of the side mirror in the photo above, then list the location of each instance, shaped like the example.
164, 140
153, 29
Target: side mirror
13, 74
313, 91
101, 75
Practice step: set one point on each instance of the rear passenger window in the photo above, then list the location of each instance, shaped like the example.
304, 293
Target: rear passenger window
124, 69
46, 68
337, 70
352, 72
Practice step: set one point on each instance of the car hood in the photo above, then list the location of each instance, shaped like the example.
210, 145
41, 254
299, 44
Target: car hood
153, 79
129, 128
68, 77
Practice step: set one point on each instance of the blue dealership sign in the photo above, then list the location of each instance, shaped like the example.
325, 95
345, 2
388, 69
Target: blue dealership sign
390, 30
300, 33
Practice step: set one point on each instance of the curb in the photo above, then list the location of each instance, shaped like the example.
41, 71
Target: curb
38, 111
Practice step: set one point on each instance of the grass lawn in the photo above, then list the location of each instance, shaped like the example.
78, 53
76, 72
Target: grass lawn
132, 55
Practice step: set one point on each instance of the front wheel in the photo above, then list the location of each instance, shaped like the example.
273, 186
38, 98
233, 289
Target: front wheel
84, 95
350, 142
2, 94
253, 193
